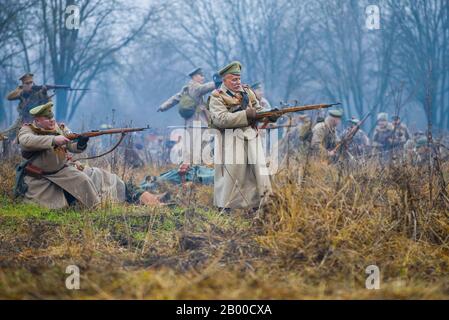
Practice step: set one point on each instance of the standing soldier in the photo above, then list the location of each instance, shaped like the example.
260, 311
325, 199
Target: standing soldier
260, 95
191, 107
324, 135
191, 98
401, 133
29, 96
241, 182
383, 133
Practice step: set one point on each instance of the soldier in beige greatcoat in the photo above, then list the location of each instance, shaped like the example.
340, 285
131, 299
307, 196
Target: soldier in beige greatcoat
52, 179
241, 174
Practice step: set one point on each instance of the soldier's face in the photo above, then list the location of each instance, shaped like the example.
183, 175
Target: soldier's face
232, 81
198, 78
333, 121
27, 85
336, 121
382, 123
45, 123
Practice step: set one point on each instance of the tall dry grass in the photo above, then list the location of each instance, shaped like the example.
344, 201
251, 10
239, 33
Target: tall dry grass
372, 215
312, 240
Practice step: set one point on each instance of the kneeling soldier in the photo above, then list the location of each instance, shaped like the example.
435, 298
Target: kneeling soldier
324, 134
51, 178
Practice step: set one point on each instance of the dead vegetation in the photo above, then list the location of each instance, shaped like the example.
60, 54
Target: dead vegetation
311, 241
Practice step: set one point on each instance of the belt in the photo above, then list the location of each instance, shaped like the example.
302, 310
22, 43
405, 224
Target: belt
37, 172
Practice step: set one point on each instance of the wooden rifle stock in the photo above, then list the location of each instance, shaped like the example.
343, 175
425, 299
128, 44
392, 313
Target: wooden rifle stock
351, 133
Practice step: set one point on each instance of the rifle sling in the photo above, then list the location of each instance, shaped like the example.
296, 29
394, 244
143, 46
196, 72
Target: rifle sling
107, 152
245, 100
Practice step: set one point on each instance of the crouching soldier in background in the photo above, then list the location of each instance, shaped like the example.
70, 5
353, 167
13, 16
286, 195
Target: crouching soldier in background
382, 141
50, 178
324, 135
409, 147
420, 155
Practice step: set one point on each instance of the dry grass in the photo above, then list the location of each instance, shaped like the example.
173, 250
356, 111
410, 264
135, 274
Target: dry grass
312, 241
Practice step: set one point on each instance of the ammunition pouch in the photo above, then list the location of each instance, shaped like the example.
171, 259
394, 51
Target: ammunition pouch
34, 171
20, 187
26, 168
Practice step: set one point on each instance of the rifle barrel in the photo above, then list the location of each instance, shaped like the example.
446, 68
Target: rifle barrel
264, 114
65, 87
96, 133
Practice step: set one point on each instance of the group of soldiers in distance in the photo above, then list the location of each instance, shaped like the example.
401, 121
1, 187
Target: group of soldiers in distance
389, 140
230, 105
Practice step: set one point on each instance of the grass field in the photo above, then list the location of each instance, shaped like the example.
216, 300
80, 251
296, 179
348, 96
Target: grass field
312, 241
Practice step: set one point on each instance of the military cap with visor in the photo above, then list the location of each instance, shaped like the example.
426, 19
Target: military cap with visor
195, 72
234, 67
26, 77
45, 110
383, 116
354, 121
336, 113
421, 142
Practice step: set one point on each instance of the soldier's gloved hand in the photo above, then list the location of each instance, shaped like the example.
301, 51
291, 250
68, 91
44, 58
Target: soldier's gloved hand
82, 142
217, 80
251, 115
273, 118
60, 140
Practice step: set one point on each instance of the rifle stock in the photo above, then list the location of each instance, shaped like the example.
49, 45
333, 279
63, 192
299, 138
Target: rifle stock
351, 133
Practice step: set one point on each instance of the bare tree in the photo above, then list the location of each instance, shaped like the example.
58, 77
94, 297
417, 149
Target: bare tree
78, 56
422, 53
14, 51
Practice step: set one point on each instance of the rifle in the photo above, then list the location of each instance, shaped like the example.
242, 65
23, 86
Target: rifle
351, 133
96, 133
280, 112
58, 86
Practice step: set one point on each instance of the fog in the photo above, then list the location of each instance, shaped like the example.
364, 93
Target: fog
132, 57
